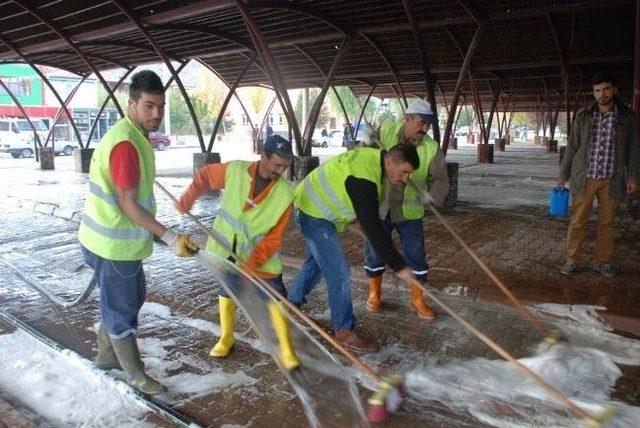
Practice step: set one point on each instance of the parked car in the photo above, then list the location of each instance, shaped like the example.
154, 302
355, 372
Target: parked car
158, 141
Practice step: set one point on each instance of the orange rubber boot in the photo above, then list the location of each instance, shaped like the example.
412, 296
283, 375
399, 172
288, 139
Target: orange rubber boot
374, 302
418, 304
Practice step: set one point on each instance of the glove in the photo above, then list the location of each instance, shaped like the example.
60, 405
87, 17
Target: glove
181, 245
426, 198
371, 138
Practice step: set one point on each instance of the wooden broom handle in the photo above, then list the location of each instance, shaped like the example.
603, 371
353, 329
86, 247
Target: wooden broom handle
525, 312
269, 289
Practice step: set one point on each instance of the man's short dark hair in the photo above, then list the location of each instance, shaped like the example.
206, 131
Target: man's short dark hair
145, 81
404, 153
603, 78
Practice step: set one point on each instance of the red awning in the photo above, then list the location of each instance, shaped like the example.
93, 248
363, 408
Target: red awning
32, 111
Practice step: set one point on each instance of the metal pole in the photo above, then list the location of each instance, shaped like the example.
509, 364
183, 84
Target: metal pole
136, 21
464, 71
424, 62
344, 111
104, 104
73, 46
272, 70
373, 88
24, 113
232, 90
317, 105
63, 108
46, 82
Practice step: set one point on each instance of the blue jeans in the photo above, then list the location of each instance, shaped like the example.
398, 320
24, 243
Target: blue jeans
325, 258
122, 292
412, 240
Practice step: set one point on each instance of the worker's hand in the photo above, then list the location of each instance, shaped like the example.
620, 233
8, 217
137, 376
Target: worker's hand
406, 275
181, 245
632, 188
426, 198
184, 204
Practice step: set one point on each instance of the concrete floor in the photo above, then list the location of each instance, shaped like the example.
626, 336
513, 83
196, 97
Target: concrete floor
501, 214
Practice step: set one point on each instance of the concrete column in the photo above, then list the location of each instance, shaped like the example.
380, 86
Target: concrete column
303, 165
552, 146
202, 159
453, 143
485, 153
47, 156
452, 196
305, 106
561, 154
82, 159
499, 144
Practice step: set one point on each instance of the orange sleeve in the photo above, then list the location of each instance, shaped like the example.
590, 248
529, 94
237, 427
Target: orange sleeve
209, 177
270, 243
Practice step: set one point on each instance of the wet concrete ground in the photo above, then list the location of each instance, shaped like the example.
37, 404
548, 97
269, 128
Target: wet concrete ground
501, 214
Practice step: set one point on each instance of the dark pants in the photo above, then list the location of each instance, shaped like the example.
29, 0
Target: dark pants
412, 240
122, 292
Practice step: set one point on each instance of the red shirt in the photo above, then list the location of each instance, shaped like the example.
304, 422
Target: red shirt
124, 165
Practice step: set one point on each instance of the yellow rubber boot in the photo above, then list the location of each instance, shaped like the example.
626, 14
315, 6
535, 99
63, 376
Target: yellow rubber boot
288, 357
227, 319
374, 302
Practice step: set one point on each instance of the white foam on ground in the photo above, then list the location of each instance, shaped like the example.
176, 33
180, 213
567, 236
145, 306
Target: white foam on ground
62, 387
498, 393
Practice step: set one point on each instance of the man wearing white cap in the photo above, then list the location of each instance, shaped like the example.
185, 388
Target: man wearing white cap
402, 208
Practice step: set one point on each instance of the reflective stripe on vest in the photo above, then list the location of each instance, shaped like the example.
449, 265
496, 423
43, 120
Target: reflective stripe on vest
323, 194
412, 207
148, 204
116, 233
246, 228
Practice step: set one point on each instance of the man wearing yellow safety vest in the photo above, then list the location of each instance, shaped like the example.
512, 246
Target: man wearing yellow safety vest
344, 189
254, 213
402, 208
118, 225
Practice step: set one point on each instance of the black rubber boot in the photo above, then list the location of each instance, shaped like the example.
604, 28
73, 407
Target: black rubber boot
129, 356
106, 358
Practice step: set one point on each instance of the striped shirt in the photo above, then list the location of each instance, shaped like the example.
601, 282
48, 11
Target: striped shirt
601, 153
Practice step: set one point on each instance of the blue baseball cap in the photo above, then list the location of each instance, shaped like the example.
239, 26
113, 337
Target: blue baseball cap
278, 145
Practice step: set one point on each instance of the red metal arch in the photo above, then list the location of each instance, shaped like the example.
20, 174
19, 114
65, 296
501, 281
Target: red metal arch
63, 106
136, 21
71, 44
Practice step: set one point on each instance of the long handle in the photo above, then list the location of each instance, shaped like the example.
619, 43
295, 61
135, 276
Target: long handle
525, 312
577, 411
290, 306
501, 351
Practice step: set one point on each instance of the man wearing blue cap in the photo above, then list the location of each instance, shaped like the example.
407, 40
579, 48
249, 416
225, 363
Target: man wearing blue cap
253, 215
402, 208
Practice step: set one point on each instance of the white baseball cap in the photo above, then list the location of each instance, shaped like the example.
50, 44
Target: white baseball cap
423, 109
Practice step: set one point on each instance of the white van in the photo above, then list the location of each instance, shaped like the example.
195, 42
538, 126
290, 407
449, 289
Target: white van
13, 141
16, 138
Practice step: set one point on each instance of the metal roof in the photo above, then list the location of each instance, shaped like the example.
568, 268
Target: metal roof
522, 46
